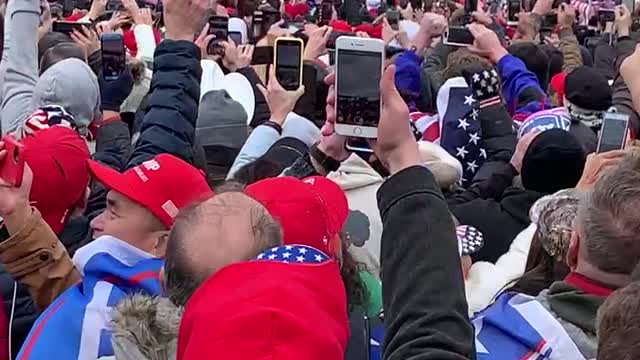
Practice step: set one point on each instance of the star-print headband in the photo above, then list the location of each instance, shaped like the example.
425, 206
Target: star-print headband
470, 240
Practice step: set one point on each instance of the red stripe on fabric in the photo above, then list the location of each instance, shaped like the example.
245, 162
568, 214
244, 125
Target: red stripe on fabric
32, 339
133, 280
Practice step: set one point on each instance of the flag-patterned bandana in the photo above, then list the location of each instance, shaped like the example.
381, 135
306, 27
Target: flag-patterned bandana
294, 254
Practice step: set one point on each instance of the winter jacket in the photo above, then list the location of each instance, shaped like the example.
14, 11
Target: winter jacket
423, 294
621, 97
485, 280
360, 183
520, 88
574, 303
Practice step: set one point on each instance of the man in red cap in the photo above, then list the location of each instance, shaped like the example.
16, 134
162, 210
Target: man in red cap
130, 234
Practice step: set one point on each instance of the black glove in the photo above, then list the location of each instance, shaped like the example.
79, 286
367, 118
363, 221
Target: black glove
483, 81
114, 92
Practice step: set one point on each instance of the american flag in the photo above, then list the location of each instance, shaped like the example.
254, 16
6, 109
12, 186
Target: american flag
294, 254
460, 131
428, 125
470, 239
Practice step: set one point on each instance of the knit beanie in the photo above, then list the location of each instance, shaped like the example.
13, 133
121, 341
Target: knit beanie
553, 161
588, 88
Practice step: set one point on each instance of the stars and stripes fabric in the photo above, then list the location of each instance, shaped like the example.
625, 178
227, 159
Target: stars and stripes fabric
470, 239
460, 131
297, 254
517, 326
76, 325
45, 117
556, 118
428, 125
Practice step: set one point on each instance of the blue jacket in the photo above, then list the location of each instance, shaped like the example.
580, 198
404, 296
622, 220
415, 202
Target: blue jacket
408, 75
520, 88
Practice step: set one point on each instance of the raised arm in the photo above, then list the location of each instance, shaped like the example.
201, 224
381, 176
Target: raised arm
425, 310
20, 61
169, 123
29, 250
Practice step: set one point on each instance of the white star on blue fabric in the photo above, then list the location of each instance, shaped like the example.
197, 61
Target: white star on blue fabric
285, 254
469, 100
474, 138
471, 166
461, 151
483, 153
463, 123
476, 77
474, 114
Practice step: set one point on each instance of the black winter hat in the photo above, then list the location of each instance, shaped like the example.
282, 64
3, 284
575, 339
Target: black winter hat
553, 161
588, 88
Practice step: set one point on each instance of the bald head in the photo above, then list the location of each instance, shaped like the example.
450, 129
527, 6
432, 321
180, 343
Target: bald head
226, 229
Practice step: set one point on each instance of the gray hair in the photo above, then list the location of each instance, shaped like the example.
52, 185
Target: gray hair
608, 221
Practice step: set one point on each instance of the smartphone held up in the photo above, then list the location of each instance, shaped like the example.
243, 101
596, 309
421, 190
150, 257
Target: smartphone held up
358, 102
113, 56
287, 62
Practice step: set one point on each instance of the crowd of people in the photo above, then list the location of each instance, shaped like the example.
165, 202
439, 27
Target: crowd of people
192, 208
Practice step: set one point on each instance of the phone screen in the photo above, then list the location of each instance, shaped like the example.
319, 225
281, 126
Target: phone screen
358, 96
513, 10
113, 56
218, 26
288, 62
67, 27
458, 36
236, 36
262, 55
613, 133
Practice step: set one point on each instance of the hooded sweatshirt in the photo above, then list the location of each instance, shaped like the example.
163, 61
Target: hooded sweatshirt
360, 183
70, 83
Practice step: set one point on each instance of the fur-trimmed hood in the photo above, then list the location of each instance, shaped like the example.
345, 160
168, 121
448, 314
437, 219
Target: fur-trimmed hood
145, 328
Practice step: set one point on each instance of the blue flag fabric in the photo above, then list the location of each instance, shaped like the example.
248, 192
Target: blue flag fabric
76, 324
517, 326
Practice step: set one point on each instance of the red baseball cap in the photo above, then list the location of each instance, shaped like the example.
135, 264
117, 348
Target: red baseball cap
58, 158
164, 185
311, 211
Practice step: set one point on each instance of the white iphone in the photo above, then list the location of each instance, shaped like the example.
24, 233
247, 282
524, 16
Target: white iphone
359, 63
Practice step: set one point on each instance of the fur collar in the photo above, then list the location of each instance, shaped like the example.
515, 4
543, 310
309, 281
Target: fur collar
145, 327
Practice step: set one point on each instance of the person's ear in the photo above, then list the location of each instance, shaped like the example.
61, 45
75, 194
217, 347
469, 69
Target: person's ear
160, 245
574, 249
